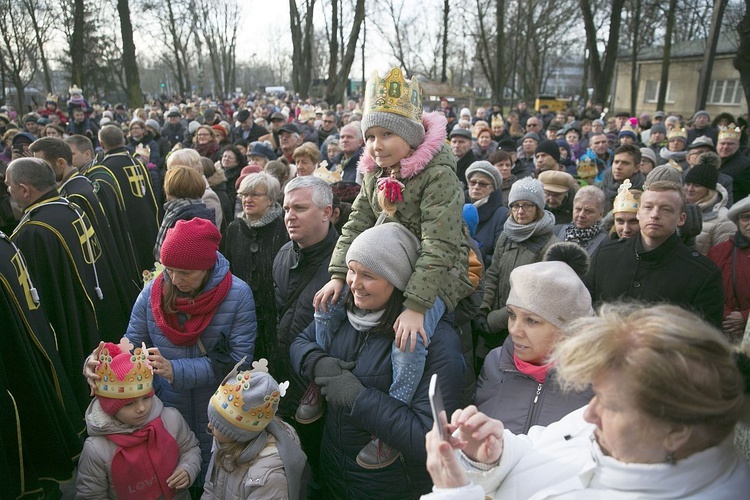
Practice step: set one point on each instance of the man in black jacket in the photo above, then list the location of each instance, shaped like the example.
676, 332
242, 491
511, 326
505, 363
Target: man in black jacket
299, 271
656, 266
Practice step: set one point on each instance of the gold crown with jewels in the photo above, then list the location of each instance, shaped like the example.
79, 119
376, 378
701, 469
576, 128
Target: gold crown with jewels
330, 176
394, 94
626, 201
228, 398
731, 131
587, 168
497, 121
115, 382
677, 133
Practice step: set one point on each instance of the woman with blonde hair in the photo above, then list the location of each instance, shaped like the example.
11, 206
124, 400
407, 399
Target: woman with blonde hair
205, 142
668, 391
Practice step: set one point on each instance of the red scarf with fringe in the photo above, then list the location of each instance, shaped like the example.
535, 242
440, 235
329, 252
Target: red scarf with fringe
143, 461
200, 311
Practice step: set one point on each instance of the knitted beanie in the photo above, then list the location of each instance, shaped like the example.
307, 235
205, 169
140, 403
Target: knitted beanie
191, 244
527, 189
703, 174
549, 147
121, 364
701, 112
486, 168
664, 173
153, 124
256, 390
193, 126
389, 250
659, 127
531, 135
649, 154
551, 290
409, 130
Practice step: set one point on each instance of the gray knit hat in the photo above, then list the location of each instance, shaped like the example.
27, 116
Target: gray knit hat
664, 173
552, 289
244, 404
530, 135
649, 154
486, 168
527, 189
409, 130
389, 250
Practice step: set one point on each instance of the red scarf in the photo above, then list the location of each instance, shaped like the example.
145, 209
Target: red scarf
537, 372
143, 461
200, 310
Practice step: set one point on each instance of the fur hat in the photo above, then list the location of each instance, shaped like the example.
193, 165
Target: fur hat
389, 250
527, 189
191, 244
245, 402
486, 168
552, 289
549, 147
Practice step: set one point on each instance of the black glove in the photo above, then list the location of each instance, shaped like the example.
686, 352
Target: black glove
479, 324
329, 366
341, 390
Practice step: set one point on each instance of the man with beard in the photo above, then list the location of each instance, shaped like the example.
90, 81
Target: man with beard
625, 166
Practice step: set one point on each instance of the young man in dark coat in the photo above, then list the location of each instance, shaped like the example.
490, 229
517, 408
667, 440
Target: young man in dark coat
656, 266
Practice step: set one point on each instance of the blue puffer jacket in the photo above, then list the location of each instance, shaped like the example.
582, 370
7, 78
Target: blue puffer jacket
492, 216
231, 332
376, 413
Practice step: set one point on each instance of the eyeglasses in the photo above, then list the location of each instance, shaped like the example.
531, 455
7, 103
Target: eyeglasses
202, 135
328, 121
744, 217
481, 184
254, 196
515, 207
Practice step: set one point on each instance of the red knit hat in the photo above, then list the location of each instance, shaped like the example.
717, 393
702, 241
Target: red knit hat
191, 244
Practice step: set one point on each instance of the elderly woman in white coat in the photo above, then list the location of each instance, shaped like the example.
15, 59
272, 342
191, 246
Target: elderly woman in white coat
668, 392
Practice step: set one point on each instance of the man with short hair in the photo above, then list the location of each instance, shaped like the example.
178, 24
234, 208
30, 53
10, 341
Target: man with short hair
118, 279
559, 191
134, 191
655, 266
79, 124
523, 113
599, 148
461, 146
246, 128
657, 138
63, 253
625, 166
352, 146
174, 130
327, 127
534, 124
702, 127
31, 124
546, 157
290, 139
733, 162
300, 269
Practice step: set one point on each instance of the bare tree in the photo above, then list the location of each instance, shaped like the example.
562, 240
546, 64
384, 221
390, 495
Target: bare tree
338, 77
708, 56
446, 18
176, 22
742, 59
664, 83
18, 49
636, 23
130, 65
40, 19
75, 42
302, 39
602, 70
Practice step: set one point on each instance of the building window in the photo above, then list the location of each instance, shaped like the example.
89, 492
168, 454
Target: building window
725, 92
652, 92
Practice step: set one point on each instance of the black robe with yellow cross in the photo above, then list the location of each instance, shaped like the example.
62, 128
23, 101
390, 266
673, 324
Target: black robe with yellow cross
42, 423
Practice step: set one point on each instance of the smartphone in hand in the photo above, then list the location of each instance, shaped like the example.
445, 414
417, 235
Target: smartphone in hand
438, 408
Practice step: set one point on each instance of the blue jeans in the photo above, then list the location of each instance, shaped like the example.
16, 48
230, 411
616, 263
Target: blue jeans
408, 367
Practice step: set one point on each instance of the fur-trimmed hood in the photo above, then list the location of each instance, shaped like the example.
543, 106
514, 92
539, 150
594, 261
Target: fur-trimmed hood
434, 138
217, 178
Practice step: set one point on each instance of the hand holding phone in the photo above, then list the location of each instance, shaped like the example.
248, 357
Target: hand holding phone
438, 408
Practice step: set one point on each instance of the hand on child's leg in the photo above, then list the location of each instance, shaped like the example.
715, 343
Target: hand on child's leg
408, 325
179, 479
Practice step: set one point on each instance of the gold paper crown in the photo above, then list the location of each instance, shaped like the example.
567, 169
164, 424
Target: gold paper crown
731, 131
52, 97
138, 381
227, 400
307, 113
587, 168
497, 121
75, 90
625, 201
677, 133
394, 94
330, 176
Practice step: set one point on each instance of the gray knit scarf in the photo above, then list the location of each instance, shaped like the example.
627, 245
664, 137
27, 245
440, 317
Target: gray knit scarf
521, 232
362, 320
273, 213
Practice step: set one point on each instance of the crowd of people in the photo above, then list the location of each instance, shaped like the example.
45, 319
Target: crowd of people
289, 275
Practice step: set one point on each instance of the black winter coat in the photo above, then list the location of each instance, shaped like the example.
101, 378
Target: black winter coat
492, 216
374, 412
737, 167
671, 273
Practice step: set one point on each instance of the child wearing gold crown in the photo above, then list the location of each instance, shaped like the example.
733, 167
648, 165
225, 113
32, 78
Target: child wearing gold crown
255, 454
137, 448
409, 177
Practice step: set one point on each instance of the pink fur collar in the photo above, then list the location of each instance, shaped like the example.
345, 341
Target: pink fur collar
434, 138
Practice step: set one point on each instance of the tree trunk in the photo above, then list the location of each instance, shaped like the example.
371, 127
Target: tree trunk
31, 11
301, 46
77, 75
742, 59
351, 47
129, 63
446, 14
664, 82
176, 48
704, 82
634, 59
333, 52
602, 71
497, 89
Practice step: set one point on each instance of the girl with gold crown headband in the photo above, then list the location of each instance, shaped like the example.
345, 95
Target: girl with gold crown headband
409, 177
